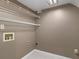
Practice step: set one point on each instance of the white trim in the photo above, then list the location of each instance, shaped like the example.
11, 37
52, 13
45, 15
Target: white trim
17, 21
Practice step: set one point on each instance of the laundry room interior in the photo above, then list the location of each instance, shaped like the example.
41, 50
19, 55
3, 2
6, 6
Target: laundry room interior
39, 29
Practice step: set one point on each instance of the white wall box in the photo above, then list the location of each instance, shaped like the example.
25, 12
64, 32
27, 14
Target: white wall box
8, 36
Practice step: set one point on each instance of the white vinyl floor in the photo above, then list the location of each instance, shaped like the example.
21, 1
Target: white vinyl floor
37, 54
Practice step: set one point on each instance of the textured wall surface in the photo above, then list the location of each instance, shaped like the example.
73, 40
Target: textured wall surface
59, 30
24, 36
7, 49
25, 42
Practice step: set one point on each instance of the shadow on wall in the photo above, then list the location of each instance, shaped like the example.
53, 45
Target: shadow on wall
59, 30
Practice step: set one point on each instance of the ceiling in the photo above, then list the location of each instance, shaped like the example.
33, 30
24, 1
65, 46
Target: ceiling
38, 5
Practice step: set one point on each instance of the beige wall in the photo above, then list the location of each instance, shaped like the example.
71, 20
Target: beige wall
19, 12
24, 36
25, 42
59, 30
7, 49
